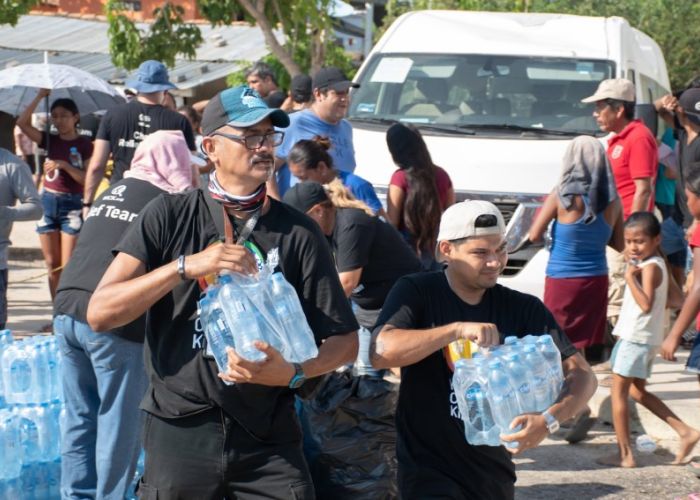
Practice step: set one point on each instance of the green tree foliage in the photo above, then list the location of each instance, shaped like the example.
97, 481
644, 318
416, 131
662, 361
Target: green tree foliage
674, 24
167, 37
10, 10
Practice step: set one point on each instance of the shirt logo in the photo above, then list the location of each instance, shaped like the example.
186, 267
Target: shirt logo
119, 190
616, 152
697, 106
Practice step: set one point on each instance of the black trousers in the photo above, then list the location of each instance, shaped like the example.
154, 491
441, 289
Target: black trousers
210, 456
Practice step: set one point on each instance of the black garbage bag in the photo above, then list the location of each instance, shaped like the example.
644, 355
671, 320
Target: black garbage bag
350, 437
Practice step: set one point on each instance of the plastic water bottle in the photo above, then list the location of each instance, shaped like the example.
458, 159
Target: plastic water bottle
54, 368
549, 351
535, 365
5, 340
17, 374
521, 381
11, 446
246, 330
502, 397
300, 336
480, 427
75, 158
645, 444
30, 434
217, 332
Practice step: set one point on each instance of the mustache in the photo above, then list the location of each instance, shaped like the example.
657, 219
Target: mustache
262, 157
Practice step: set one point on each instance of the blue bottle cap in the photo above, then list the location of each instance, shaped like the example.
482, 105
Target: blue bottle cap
511, 339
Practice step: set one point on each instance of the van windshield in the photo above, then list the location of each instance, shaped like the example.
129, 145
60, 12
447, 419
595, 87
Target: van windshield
483, 91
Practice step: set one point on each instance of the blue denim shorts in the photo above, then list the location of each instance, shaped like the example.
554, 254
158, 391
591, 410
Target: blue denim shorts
62, 211
693, 364
633, 360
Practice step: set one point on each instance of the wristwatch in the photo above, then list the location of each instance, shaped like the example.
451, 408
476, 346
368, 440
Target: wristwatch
552, 423
298, 378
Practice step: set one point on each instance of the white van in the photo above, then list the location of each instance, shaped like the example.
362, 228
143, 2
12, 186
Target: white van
497, 99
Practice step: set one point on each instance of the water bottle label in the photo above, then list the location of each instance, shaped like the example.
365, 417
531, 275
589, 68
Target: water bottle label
524, 389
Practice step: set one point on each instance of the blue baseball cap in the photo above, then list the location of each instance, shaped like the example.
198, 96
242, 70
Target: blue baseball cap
152, 76
239, 107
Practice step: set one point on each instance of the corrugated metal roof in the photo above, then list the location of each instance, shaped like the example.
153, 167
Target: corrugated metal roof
85, 45
185, 74
238, 42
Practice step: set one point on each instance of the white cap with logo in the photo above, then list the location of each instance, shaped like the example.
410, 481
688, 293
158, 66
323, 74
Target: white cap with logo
619, 89
460, 221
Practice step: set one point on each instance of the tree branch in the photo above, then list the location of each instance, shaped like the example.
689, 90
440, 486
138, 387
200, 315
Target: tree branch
278, 50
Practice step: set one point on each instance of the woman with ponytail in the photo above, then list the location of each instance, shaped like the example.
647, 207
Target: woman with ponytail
419, 191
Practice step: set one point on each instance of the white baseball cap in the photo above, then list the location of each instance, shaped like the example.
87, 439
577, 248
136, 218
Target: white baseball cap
470, 218
619, 89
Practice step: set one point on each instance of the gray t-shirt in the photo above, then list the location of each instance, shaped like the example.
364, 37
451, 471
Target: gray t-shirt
15, 184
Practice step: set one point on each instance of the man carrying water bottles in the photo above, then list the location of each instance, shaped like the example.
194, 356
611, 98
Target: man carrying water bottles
205, 439
422, 315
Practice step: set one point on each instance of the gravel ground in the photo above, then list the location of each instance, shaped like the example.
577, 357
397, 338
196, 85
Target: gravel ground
558, 470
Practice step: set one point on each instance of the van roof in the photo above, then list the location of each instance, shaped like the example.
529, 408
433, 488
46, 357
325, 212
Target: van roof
523, 34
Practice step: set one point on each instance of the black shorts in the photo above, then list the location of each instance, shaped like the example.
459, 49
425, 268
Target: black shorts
210, 456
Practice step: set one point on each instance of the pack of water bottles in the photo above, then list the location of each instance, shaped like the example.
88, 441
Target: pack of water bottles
30, 413
238, 310
497, 384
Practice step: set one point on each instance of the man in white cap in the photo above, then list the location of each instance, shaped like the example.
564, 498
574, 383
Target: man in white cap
422, 315
633, 156
124, 127
632, 150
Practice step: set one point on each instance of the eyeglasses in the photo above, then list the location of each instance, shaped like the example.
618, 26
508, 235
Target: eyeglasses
256, 141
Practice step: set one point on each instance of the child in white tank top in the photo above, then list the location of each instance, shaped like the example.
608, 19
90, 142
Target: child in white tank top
640, 331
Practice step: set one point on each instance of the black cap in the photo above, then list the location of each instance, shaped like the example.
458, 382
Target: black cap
690, 102
301, 88
305, 195
332, 78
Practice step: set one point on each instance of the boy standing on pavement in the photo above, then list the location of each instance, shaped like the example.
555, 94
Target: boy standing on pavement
15, 184
421, 316
204, 439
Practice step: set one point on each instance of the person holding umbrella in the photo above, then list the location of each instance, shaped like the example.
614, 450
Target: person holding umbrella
63, 179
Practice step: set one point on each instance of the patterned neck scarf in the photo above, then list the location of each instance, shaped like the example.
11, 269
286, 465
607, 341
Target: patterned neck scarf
249, 203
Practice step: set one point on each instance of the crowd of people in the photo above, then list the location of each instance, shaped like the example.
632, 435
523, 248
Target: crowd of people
259, 171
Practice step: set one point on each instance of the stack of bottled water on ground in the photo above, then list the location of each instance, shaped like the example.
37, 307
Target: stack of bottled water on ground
239, 310
30, 411
496, 385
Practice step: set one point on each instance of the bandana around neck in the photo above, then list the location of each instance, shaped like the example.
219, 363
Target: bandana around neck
248, 203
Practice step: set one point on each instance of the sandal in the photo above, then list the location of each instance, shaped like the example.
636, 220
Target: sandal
694, 467
581, 426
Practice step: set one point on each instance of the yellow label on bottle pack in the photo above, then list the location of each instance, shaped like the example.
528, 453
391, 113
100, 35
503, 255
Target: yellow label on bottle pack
459, 349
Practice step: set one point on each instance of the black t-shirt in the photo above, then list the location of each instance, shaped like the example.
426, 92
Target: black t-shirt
430, 432
182, 380
687, 154
109, 217
275, 99
125, 127
362, 241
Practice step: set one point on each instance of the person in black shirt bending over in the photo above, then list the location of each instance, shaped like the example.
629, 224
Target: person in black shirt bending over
205, 439
369, 253
421, 316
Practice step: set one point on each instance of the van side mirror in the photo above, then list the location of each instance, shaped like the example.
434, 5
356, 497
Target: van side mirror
647, 113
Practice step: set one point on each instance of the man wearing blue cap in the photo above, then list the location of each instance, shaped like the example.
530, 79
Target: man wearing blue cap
123, 128
205, 439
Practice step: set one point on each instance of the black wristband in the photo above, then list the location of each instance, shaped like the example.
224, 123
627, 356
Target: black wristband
88, 205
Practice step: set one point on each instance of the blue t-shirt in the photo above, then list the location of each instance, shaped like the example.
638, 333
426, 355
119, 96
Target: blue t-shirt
306, 125
361, 189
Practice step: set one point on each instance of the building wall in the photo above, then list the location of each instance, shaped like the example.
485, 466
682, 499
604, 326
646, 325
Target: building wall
142, 10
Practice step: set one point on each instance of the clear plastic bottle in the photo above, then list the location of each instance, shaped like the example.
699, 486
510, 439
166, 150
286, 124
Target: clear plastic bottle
536, 366
75, 158
550, 352
5, 341
17, 374
11, 465
217, 331
245, 329
502, 397
300, 337
521, 381
30, 433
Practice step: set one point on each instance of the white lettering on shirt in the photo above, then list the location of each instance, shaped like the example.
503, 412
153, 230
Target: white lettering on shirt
454, 408
197, 340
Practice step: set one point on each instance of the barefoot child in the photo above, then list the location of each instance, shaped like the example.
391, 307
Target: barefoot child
640, 329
